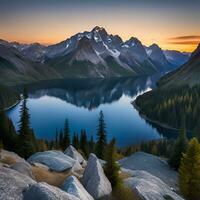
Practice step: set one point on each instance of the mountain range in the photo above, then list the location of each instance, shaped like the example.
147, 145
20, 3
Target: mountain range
93, 54
188, 74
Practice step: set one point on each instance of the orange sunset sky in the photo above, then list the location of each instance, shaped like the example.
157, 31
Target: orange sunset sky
171, 24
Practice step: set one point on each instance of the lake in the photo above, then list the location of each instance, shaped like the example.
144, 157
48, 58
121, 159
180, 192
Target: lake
80, 101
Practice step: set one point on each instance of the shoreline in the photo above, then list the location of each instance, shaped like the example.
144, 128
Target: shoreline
154, 121
12, 106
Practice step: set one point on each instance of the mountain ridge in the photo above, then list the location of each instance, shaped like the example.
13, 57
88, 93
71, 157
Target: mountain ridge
92, 53
188, 74
15, 68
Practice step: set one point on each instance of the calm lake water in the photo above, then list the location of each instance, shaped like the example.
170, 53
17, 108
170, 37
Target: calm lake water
80, 101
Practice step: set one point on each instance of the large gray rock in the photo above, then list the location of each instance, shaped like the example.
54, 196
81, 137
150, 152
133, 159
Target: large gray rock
55, 160
149, 187
76, 167
72, 186
152, 164
8, 154
44, 191
73, 153
94, 179
24, 168
12, 184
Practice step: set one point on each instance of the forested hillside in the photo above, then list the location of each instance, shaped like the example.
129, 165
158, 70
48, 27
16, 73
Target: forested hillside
169, 106
8, 96
177, 97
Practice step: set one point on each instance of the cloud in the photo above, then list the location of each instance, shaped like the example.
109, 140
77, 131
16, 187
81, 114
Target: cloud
187, 37
185, 40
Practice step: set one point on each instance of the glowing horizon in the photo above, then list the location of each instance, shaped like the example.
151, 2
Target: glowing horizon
171, 25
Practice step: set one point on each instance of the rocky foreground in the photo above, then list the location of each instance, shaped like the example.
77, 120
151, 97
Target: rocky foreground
147, 175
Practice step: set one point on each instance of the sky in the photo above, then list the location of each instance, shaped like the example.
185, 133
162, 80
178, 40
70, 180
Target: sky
172, 24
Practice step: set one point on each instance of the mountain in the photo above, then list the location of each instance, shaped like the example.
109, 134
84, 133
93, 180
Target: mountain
98, 37
137, 49
34, 52
84, 62
101, 54
15, 68
111, 58
94, 53
133, 54
188, 74
176, 58
158, 58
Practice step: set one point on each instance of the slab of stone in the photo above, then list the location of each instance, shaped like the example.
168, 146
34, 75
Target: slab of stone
24, 168
94, 179
73, 186
13, 183
55, 160
73, 153
44, 191
152, 164
149, 187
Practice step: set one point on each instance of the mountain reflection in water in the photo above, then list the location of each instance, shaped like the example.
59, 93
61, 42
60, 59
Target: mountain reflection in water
80, 100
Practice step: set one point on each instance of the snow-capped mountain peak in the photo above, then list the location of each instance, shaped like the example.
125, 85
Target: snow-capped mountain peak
133, 42
97, 46
98, 29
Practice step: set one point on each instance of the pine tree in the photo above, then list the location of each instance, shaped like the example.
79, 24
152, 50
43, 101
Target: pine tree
111, 167
51, 145
84, 144
75, 140
66, 136
56, 140
61, 139
129, 151
8, 134
154, 150
179, 148
27, 141
42, 146
1, 144
101, 137
196, 132
91, 144
189, 171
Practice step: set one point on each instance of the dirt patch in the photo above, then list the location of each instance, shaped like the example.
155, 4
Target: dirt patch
9, 160
124, 175
53, 178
